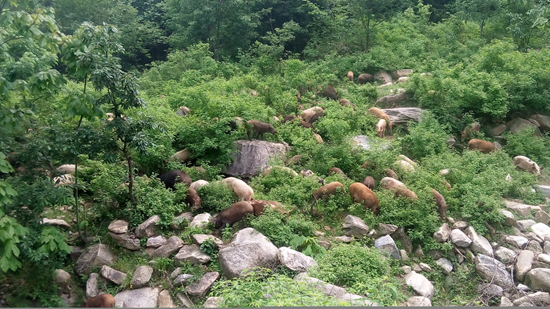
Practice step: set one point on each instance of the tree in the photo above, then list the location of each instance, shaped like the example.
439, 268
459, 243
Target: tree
526, 20
478, 11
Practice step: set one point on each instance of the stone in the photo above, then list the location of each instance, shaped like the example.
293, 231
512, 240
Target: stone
252, 157
165, 300
544, 258
155, 242
538, 298
357, 300
248, 249
366, 143
523, 288
488, 291
76, 252
200, 238
118, 227
393, 99
546, 249
354, 226
400, 235
148, 227
92, 289
402, 73
96, 255
521, 209
128, 241
213, 302
538, 264
425, 267
383, 77
345, 239
63, 281
141, 276
192, 254
325, 244
416, 268
184, 216
443, 234
509, 218
517, 241
404, 255
419, 301
419, 253
326, 288
543, 189
295, 260
541, 217
406, 269
493, 271
518, 124
113, 275
140, 298
200, 288
182, 279
479, 244
538, 279
184, 300
386, 229
544, 121
505, 302
445, 265
387, 245
524, 263
541, 230
533, 236
201, 220
420, 285
499, 129
460, 239
172, 245
523, 225
505, 255
56, 222
460, 225
534, 247
402, 115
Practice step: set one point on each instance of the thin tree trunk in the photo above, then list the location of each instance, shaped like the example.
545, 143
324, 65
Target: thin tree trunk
130, 173
368, 33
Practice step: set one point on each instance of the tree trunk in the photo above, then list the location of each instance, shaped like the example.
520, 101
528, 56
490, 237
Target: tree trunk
130, 173
368, 33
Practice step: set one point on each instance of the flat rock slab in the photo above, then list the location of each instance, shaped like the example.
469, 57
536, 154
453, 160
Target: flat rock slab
56, 222
148, 228
419, 301
494, 271
200, 238
113, 275
294, 260
172, 245
192, 254
539, 298
402, 115
140, 298
118, 227
141, 276
420, 285
96, 255
521, 209
205, 283
127, 241
251, 157
354, 226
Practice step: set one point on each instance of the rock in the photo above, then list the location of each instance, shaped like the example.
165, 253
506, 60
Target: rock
534, 247
201, 220
406, 269
172, 245
517, 241
544, 258
539, 298
488, 291
505, 255
541, 217
366, 143
140, 298
523, 288
325, 244
141, 276
165, 300
157, 241
184, 300
518, 124
522, 209
326, 288
295, 260
505, 302
541, 230
118, 227
91, 286
445, 265
499, 129
148, 228
191, 253
205, 283
392, 100
200, 238
543, 189
76, 252
543, 120
420, 284
404, 255
419, 301
113, 275
510, 220
96, 255
523, 225
493, 271
538, 264
546, 248
524, 263
533, 236
402, 115
354, 226
63, 281
251, 157
425, 267
184, 216
128, 241
346, 239
248, 249
479, 244
419, 253
383, 77
460, 239
182, 279
460, 225
402, 73
386, 229
213, 302
357, 300
442, 235
400, 235
402, 79
387, 245
416, 268
56, 222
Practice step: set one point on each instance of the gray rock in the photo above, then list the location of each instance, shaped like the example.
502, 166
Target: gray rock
128, 241
393, 99
533, 236
346, 239
416, 268
326, 288
354, 226
523, 225
538, 279
325, 244
518, 124
523, 288
543, 120
425, 267
148, 228
524, 263
184, 300
541, 217
213, 302
517, 241
400, 235
546, 249
499, 129
522, 209
155, 242
402, 73
184, 216
366, 143
165, 300
383, 77
113, 275
538, 264
543, 189
406, 269
510, 220
544, 258
402, 115
538, 298
419, 301
248, 249
357, 300
505, 255
56, 222
251, 157
172, 245
201, 220
386, 245
493, 271
420, 285
182, 279
479, 244
63, 281
460, 225
488, 291
534, 246
140, 298
96, 255
460, 239
191, 253
295, 260
542, 230
141, 276
445, 265
443, 234
386, 229
404, 255
118, 227
200, 238
505, 302
91, 286
205, 283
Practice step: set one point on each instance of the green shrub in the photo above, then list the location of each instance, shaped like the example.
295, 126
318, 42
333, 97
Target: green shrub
281, 231
216, 197
428, 137
524, 143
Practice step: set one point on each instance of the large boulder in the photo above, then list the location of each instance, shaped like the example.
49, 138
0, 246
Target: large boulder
96, 255
541, 230
538, 279
172, 245
148, 228
141, 276
524, 263
252, 157
517, 124
140, 298
386, 245
354, 226
402, 115
392, 100
543, 120
248, 249
295, 260
494, 271
420, 285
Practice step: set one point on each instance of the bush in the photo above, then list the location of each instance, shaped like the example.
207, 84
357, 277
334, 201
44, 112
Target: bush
428, 137
281, 231
216, 197
524, 143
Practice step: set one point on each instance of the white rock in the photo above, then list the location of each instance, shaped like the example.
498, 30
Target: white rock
494, 271
354, 226
539, 298
523, 225
140, 298
445, 264
542, 230
524, 263
505, 255
295, 260
425, 267
510, 220
420, 285
545, 258
419, 301
517, 241
201, 220
479, 244
443, 234
460, 239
